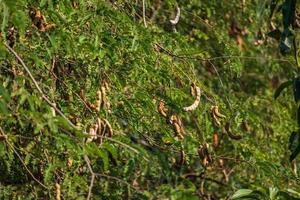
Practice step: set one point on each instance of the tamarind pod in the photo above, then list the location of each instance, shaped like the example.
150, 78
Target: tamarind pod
176, 19
193, 90
221, 163
215, 139
216, 112
230, 134
161, 109
216, 120
110, 131
58, 191
178, 131
204, 154
98, 101
196, 102
103, 95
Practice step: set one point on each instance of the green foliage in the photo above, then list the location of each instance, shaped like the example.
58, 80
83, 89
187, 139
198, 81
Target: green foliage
76, 48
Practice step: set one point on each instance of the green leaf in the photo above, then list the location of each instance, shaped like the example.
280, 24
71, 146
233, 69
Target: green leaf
286, 42
295, 193
288, 195
241, 193
273, 192
281, 88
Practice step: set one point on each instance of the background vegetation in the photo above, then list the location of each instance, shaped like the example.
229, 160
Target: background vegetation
65, 65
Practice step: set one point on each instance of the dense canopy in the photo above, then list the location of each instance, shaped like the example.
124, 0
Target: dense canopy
149, 99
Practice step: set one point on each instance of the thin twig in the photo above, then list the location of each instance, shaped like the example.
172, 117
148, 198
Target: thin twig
221, 82
168, 52
144, 13
88, 162
117, 179
122, 144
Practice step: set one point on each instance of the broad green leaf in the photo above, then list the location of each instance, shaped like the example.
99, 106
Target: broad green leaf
295, 193
241, 193
286, 42
273, 193
281, 88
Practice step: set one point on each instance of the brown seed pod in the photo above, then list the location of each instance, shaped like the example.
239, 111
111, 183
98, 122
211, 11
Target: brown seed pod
107, 105
103, 97
92, 135
101, 130
215, 111
215, 139
197, 100
178, 131
230, 134
173, 119
221, 163
106, 85
58, 191
204, 154
70, 162
39, 21
216, 120
98, 101
99, 123
178, 121
193, 90
53, 110
176, 19
95, 127
162, 109
109, 131
216, 115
